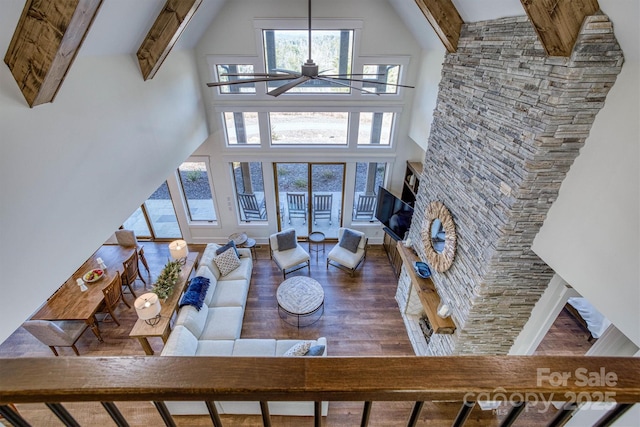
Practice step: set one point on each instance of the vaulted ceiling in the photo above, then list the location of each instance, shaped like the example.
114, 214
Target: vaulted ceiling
152, 28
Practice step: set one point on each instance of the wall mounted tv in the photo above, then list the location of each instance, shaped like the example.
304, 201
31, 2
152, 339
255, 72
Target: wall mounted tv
393, 213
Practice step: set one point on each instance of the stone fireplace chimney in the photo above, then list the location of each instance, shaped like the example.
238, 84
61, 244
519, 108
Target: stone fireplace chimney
508, 124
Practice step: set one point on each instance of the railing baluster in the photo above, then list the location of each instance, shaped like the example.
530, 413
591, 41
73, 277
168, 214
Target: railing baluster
264, 410
13, 416
165, 414
611, 416
563, 416
213, 413
463, 414
514, 413
115, 414
62, 414
415, 414
366, 412
317, 414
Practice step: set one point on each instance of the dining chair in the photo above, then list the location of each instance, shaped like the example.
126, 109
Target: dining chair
322, 204
365, 208
57, 334
131, 272
297, 205
127, 238
112, 296
251, 208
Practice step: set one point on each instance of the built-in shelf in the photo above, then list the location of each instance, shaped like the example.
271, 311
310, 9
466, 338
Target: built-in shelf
427, 293
412, 175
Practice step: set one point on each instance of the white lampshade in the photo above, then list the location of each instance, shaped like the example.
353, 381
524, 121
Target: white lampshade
148, 307
178, 249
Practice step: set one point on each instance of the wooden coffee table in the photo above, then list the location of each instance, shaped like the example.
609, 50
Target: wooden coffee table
300, 296
141, 330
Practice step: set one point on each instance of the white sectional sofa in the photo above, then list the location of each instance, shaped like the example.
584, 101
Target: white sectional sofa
214, 330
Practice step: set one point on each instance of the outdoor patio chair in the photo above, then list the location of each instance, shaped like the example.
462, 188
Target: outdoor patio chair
250, 207
322, 204
366, 206
57, 334
127, 238
297, 205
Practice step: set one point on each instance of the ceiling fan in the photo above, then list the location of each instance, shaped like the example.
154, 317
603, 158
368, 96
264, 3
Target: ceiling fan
309, 71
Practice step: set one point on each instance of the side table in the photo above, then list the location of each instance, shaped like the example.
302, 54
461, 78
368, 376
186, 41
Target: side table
316, 238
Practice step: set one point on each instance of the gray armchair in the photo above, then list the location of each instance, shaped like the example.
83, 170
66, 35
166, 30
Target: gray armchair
56, 334
350, 251
287, 253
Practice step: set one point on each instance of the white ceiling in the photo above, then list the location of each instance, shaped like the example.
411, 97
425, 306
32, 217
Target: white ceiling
121, 25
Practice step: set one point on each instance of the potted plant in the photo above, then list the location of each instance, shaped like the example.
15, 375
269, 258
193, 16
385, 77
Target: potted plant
167, 279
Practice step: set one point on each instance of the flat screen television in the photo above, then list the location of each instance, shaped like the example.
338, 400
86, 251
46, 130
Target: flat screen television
393, 213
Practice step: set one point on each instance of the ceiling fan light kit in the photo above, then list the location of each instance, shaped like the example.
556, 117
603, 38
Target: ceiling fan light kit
309, 71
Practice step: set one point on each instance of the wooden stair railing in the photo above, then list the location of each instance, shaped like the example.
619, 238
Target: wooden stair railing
463, 379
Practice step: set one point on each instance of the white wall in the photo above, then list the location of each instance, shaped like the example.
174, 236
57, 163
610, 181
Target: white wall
591, 234
426, 96
383, 33
73, 170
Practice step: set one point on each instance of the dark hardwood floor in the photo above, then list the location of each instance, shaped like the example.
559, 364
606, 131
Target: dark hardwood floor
361, 318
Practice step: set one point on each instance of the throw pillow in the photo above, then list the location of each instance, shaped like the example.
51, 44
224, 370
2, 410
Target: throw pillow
299, 349
350, 240
287, 240
230, 244
316, 350
227, 261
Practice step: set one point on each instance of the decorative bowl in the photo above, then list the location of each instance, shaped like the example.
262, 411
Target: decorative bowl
93, 275
422, 269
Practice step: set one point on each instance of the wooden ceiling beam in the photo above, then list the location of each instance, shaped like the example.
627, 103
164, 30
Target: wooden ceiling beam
558, 22
45, 43
164, 33
445, 20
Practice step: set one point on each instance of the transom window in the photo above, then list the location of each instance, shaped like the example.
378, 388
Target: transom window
242, 128
226, 74
287, 50
328, 128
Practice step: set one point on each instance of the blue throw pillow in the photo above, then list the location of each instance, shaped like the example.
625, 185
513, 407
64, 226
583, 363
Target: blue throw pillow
350, 240
315, 350
230, 244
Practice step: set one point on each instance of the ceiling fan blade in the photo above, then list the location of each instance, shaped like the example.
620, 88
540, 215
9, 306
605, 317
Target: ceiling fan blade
256, 80
334, 81
292, 74
371, 82
282, 89
347, 75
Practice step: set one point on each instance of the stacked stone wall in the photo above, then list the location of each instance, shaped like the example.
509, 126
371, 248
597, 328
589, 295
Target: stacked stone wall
508, 124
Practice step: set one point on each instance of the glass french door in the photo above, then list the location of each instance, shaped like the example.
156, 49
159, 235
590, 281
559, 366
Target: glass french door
156, 218
309, 197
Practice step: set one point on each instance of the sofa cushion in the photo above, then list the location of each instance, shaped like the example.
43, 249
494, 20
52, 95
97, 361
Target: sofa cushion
215, 347
193, 319
227, 261
223, 323
242, 272
299, 349
350, 240
204, 271
254, 347
283, 345
230, 293
181, 342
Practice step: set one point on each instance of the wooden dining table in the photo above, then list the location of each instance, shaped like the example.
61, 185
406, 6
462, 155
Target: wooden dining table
69, 302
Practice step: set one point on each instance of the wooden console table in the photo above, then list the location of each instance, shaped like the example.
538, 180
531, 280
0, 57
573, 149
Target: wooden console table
427, 293
141, 330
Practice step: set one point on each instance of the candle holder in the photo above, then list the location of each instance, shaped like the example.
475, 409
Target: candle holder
444, 309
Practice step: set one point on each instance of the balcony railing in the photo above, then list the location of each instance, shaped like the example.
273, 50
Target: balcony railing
512, 379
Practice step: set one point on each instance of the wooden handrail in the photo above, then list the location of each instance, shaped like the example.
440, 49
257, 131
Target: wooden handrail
69, 379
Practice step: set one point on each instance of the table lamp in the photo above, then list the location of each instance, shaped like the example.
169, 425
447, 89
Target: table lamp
178, 249
148, 308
